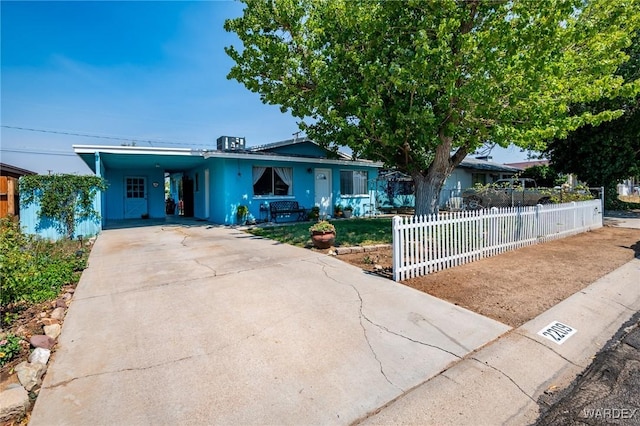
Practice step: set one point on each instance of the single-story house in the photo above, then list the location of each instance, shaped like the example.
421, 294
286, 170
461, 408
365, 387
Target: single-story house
211, 184
396, 189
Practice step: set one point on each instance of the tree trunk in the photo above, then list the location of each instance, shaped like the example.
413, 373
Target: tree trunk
428, 187
429, 184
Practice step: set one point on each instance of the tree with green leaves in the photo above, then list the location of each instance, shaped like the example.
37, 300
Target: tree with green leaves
605, 154
62, 198
420, 84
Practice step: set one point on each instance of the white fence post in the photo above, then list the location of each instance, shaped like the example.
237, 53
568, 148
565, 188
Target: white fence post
398, 243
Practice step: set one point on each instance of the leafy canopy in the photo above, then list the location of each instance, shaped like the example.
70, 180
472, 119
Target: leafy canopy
62, 197
605, 154
420, 84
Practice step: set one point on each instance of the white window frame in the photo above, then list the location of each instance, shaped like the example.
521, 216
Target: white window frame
354, 183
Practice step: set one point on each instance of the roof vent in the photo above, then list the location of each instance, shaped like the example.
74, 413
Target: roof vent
230, 143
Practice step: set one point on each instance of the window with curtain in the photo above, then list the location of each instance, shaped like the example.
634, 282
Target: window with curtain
353, 182
272, 180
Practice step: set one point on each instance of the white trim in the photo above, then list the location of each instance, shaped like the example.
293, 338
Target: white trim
140, 150
288, 159
108, 149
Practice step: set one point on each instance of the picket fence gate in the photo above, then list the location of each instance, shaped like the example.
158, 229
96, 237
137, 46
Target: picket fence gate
425, 244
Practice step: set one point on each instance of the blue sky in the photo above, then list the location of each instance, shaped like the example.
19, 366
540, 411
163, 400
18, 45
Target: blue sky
144, 71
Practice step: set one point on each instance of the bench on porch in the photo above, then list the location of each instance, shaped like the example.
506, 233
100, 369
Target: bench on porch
286, 207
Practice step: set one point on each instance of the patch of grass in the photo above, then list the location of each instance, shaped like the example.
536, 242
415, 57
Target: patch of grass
351, 232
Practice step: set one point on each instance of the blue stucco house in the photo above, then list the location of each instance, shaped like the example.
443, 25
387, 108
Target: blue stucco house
210, 184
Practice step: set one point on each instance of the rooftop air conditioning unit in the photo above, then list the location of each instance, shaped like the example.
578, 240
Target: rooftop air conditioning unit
231, 143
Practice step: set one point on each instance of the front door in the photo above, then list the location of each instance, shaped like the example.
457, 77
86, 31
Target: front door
323, 196
135, 197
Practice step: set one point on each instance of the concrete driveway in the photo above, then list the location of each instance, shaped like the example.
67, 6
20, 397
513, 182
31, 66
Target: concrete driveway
209, 325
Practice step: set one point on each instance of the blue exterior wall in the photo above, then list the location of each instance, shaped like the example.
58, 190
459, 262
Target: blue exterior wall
46, 228
232, 185
113, 208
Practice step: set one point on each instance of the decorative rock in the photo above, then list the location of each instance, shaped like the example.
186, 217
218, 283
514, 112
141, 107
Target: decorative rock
71, 290
52, 330
15, 403
40, 355
49, 321
58, 313
40, 341
378, 267
43, 314
67, 296
61, 303
30, 375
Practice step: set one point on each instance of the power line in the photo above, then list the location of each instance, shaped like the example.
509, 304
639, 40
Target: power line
42, 151
87, 135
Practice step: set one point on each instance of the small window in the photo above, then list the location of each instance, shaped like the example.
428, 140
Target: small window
478, 179
353, 182
272, 180
135, 187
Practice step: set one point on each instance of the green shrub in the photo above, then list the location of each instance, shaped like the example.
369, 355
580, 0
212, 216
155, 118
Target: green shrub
32, 269
9, 348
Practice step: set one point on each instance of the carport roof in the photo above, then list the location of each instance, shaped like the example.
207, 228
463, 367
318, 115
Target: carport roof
123, 157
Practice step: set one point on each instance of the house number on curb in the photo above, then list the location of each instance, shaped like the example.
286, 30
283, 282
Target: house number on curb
557, 332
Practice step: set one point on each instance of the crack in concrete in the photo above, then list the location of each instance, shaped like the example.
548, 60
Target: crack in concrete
547, 347
412, 340
623, 305
382, 327
507, 376
186, 358
66, 382
442, 332
364, 330
144, 288
215, 273
366, 337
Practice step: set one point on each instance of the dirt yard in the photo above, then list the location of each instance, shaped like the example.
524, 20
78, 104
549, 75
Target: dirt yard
517, 286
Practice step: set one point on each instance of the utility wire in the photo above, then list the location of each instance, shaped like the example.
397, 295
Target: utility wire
87, 135
40, 151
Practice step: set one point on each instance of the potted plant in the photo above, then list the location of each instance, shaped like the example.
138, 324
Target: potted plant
241, 213
337, 210
347, 212
323, 234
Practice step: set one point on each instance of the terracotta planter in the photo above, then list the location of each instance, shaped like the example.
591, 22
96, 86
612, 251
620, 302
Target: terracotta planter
323, 240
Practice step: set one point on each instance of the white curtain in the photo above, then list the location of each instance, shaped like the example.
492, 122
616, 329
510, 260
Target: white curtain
286, 174
257, 173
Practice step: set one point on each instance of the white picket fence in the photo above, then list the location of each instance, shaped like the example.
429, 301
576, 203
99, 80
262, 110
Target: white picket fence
425, 244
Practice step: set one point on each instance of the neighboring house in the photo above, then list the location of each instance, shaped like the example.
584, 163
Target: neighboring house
9, 194
211, 184
396, 190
